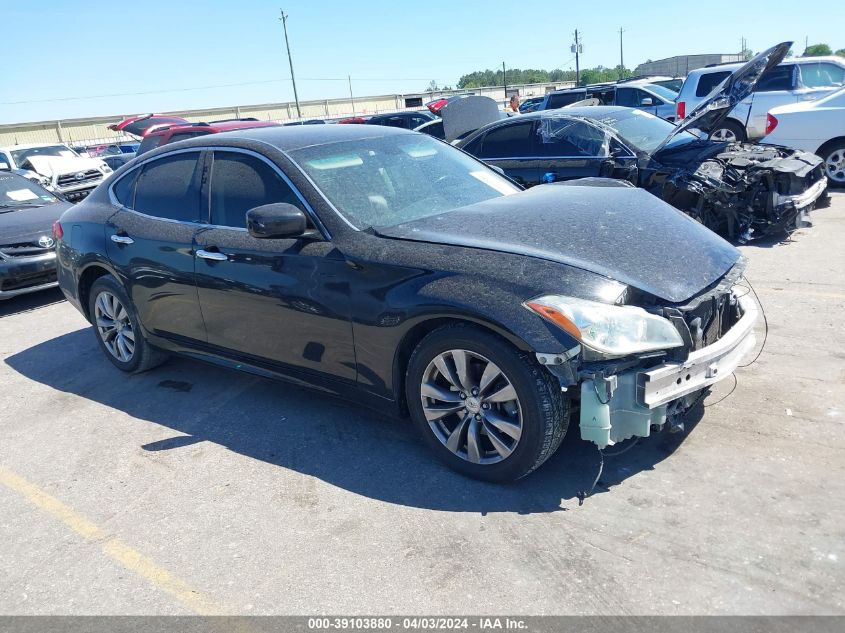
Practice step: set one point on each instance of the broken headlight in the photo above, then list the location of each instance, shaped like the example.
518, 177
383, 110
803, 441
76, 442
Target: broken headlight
609, 330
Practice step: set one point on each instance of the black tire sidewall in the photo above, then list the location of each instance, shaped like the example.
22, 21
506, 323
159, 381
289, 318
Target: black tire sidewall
513, 364
110, 284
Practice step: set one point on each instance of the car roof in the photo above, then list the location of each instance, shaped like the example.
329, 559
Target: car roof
297, 136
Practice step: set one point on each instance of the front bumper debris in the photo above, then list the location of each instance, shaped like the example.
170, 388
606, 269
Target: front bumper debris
629, 404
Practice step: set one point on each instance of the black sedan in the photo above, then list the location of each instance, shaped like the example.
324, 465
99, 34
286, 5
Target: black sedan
740, 190
389, 267
405, 120
27, 246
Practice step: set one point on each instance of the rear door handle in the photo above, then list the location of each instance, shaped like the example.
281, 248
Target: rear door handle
122, 239
215, 257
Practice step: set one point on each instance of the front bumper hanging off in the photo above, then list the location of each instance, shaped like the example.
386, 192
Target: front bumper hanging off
626, 405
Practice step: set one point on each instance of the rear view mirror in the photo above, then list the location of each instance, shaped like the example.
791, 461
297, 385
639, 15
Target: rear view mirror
276, 221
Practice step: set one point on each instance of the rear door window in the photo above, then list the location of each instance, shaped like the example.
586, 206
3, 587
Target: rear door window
778, 78
149, 142
169, 188
508, 141
240, 182
124, 189
708, 82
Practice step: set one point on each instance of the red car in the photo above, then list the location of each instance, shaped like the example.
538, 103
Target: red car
140, 125
164, 134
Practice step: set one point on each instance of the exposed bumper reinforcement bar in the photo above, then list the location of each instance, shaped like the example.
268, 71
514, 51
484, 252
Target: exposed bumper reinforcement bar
628, 404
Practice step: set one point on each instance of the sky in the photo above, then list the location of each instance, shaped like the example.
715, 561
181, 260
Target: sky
110, 57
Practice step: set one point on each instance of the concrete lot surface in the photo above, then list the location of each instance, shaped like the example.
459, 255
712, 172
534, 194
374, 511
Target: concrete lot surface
192, 489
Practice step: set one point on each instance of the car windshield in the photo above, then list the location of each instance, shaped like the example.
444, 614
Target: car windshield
21, 155
388, 180
17, 192
644, 131
662, 92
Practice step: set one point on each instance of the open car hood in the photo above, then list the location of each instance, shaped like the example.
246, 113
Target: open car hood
738, 86
56, 165
469, 114
622, 233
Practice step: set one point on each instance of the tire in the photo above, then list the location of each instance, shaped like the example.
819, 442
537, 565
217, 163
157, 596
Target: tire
538, 410
833, 155
122, 340
729, 131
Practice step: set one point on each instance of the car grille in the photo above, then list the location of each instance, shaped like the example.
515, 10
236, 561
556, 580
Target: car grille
79, 178
28, 249
710, 319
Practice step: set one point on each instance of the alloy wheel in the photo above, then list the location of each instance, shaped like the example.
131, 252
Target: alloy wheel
471, 406
114, 326
724, 134
834, 165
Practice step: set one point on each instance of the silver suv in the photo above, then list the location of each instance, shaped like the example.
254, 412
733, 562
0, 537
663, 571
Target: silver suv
794, 80
644, 94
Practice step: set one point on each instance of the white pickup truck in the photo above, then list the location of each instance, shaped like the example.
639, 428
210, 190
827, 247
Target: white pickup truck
57, 167
794, 80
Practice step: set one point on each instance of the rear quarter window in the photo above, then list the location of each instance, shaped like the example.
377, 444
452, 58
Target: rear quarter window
565, 98
708, 82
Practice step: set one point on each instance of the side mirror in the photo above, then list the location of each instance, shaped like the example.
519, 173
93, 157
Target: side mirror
498, 169
5, 167
276, 221
647, 101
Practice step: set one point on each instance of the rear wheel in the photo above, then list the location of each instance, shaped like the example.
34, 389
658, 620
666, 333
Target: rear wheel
116, 326
485, 408
729, 132
834, 162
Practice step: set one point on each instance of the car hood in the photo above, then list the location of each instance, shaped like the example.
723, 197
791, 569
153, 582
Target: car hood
738, 86
27, 224
54, 165
624, 234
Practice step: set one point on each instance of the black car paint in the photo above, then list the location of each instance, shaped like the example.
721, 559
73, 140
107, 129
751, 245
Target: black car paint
341, 312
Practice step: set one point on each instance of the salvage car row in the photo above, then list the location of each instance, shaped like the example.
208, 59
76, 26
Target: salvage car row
396, 269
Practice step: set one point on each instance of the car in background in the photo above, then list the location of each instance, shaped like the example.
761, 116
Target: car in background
354, 120
27, 244
530, 104
638, 93
163, 134
55, 166
308, 122
391, 268
438, 104
740, 190
406, 120
815, 126
794, 80
139, 125
116, 161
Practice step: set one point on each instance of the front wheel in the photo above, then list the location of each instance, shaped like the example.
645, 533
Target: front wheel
116, 327
485, 408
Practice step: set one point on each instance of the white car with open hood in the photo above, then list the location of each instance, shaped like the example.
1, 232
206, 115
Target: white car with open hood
57, 167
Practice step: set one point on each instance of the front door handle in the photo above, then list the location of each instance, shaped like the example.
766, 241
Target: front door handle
122, 239
215, 257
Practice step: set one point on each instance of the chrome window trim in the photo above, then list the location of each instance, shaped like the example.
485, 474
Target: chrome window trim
211, 148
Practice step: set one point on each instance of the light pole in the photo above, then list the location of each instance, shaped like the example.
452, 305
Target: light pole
621, 57
576, 48
284, 20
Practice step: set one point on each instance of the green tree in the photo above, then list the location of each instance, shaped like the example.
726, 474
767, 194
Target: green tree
814, 50
840, 52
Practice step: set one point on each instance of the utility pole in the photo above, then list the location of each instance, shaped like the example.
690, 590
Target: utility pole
576, 48
284, 20
621, 56
505, 80
351, 98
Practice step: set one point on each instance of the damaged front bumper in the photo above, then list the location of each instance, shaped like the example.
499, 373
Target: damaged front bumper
629, 404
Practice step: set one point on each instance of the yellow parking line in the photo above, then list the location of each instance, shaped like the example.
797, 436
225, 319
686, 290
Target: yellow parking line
112, 546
